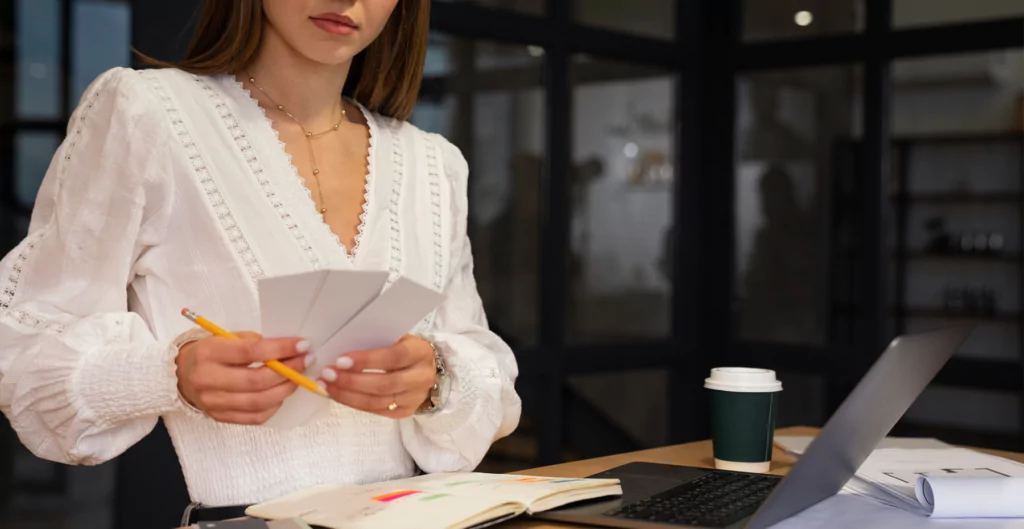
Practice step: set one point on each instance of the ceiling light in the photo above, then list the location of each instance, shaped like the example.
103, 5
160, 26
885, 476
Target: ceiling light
803, 18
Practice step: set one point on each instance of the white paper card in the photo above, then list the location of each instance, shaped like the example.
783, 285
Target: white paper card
285, 302
343, 294
386, 319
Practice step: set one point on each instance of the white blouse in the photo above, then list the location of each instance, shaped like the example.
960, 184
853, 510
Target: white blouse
173, 190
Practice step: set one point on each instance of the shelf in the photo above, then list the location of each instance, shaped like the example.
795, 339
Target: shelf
961, 137
940, 313
1002, 257
959, 197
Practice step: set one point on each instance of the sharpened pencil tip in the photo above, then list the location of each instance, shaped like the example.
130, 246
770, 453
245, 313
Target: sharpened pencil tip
321, 390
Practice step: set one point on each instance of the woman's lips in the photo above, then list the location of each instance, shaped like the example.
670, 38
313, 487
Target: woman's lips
335, 25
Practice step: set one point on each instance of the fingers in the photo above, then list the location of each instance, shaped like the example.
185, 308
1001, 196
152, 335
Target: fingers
214, 375
407, 402
299, 362
372, 380
218, 377
407, 352
249, 349
226, 402
418, 378
278, 348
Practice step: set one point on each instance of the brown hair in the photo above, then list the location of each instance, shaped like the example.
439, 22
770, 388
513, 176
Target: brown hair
385, 77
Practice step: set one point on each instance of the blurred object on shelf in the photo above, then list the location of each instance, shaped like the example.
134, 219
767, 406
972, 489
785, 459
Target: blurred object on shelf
995, 242
970, 299
940, 241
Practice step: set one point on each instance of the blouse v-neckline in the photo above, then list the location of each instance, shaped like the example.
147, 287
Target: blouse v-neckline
297, 183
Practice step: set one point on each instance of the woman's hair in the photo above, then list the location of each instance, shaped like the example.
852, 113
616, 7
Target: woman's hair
385, 77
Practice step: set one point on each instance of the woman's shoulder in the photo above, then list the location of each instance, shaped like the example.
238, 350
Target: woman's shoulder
124, 93
453, 161
120, 88
137, 92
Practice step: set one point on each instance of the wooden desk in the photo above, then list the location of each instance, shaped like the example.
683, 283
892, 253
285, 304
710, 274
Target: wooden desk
692, 454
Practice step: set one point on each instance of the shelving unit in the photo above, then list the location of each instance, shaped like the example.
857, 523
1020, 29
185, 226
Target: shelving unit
1001, 257
976, 199
957, 197
941, 314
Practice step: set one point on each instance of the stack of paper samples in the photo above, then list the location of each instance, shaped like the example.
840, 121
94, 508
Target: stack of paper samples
338, 311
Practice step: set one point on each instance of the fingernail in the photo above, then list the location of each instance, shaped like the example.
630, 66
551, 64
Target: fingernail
303, 346
309, 360
321, 384
329, 375
343, 362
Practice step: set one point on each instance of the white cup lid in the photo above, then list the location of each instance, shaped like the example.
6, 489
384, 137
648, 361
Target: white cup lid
743, 380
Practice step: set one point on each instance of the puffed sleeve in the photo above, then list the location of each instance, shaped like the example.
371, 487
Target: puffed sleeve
81, 377
482, 405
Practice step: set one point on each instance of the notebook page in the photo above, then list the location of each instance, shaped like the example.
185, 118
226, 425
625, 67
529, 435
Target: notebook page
389, 505
527, 490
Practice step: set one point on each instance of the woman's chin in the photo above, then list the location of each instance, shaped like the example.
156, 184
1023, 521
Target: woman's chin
332, 57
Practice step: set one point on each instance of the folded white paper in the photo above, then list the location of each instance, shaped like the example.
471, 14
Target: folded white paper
382, 322
338, 311
932, 479
898, 472
971, 497
846, 511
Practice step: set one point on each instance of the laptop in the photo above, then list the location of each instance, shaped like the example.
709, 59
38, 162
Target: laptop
670, 496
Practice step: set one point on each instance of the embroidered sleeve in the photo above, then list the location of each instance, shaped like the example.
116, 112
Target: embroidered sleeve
81, 377
482, 405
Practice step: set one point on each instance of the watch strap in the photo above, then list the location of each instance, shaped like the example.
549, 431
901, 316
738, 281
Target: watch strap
433, 402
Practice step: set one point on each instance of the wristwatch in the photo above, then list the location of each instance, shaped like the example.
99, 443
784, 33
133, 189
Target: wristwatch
439, 391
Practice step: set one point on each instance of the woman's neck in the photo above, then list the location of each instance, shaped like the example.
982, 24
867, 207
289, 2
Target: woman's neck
308, 90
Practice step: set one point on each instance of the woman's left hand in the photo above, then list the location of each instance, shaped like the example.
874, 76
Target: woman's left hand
398, 382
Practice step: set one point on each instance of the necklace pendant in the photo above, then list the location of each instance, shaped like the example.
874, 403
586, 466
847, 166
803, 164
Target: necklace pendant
323, 210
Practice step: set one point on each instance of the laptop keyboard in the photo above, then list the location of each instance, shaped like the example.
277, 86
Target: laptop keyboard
716, 499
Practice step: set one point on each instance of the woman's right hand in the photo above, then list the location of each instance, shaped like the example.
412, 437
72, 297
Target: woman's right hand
214, 375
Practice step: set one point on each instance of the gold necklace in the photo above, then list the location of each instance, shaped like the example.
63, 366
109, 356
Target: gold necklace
309, 139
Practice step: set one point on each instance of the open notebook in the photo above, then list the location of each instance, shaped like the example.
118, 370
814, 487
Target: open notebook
432, 501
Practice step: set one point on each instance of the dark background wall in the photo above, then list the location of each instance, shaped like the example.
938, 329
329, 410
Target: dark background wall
162, 29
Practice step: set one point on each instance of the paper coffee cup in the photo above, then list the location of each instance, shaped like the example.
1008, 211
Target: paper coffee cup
744, 404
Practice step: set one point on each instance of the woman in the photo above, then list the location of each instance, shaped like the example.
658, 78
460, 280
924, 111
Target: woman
181, 187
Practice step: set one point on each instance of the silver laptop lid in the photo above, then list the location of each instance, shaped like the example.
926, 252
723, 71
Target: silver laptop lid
861, 422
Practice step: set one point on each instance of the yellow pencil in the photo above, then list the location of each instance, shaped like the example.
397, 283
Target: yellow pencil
277, 366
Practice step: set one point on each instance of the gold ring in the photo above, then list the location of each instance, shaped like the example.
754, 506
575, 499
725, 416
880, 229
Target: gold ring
393, 406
